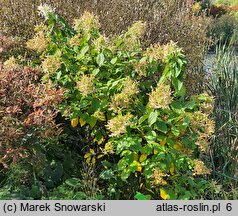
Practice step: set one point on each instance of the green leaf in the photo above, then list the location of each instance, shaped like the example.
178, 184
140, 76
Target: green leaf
122, 164
51, 21
127, 153
186, 122
152, 118
84, 40
175, 131
133, 166
95, 71
114, 60
202, 97
147, 149
59, 34
161, 126
143, 118
191, 105
179, 87
148, 170
73, 182
95, 103
36, 191
180, 62
140, 196
83, 51
135, 144
177, 84
177, 72
132, 143
58, 172
150, 136
107, 175
58, 75
176, 105
76, 49
113, 84
125, 174
119, 42
165, 74
100, 59
182, 91
92, 121
170, 142
85, 117
186, 196
142, 60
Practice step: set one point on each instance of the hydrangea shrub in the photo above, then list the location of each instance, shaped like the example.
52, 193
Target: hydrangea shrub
130, 104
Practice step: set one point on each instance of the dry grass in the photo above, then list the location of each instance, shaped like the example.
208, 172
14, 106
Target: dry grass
166, 19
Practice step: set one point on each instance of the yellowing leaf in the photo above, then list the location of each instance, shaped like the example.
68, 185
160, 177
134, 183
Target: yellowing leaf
163, 194
135, 156
87, 155
100, 141
93, 160
196, 7
88, 160
108, 149
178, 146
163, 142
92, 151
155, 151
74, 122
99, 156
172, 169
143, 157
139, 168
82, 122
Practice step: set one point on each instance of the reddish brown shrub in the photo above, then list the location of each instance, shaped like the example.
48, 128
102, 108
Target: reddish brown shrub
217, 11
9, 46
25, 104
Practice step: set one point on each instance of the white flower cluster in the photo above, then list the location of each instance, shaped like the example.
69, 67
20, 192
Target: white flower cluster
45, 9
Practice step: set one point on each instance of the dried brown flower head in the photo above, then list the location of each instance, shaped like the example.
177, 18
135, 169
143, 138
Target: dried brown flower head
87, 22
86, 85
160, 97
39, 42
200, 169
118, 124
51, 64
158, 177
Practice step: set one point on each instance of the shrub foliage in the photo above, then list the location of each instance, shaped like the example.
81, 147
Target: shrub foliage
128, 104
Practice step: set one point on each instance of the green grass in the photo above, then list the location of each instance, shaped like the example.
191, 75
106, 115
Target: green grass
224, 87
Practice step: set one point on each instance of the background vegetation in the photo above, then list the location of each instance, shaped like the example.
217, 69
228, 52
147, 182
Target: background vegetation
166, 20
